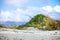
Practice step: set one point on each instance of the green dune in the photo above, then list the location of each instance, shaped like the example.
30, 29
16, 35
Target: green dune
42, 22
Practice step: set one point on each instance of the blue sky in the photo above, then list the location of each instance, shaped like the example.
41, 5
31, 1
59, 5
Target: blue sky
24, 10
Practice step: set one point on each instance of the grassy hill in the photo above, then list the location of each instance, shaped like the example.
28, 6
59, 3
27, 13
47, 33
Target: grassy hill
42, 22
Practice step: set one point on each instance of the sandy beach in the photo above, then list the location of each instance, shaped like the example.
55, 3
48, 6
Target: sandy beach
10, 34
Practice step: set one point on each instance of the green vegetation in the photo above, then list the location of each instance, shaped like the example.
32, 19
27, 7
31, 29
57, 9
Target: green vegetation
2, 26
9, 26
40, 21
34, 22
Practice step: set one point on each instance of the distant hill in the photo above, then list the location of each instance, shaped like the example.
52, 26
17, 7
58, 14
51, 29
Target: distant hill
42, 22
12, 23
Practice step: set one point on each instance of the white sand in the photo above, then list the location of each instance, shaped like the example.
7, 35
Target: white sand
10, 34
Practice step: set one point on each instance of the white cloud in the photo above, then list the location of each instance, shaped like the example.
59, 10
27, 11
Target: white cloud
15, 2
57, 8
5, 15
17, 15
47, 8
25, 14
20, 14
31, 11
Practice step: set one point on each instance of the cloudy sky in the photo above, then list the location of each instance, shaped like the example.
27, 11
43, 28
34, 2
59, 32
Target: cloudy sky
24, 10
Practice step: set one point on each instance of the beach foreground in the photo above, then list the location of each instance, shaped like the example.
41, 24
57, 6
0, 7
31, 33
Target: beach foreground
10, 34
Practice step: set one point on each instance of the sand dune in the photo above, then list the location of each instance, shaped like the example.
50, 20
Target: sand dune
10, 34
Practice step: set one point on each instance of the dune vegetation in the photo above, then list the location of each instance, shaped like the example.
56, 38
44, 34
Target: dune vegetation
40, 21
